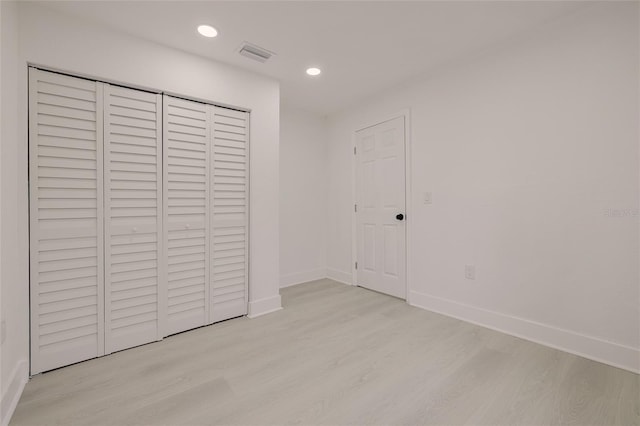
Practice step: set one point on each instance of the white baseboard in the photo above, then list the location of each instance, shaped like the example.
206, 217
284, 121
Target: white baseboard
302, 277
17, 381
264, 306
625, 357
340, 276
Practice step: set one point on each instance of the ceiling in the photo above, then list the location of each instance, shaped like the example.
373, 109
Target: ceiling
362, 47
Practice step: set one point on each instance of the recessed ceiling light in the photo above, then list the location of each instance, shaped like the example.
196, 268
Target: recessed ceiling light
207, 31
313, 71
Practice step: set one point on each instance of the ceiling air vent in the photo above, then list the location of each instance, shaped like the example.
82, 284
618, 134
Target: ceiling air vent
254, 52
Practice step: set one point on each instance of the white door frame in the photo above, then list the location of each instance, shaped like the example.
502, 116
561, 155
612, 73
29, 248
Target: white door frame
406, 114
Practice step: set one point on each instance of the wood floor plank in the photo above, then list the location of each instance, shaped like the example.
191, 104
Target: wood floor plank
336, 355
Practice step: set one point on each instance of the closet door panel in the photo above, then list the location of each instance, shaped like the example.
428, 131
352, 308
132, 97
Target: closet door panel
66, 220
186, 217
229, 221
133, 212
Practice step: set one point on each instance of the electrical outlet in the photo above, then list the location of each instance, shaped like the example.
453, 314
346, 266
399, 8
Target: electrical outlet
470, 272
427, 198
3, 331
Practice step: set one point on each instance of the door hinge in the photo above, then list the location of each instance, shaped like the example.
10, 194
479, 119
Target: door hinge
354, 150
355, 208
356, 265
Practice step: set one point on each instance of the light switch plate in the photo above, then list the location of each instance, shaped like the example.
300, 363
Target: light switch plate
427, 198
470, 272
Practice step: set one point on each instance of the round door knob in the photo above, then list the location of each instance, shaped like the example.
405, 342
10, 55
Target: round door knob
134, 230
400, 216
187, 226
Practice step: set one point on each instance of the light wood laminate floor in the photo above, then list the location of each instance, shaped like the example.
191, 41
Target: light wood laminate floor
336, 355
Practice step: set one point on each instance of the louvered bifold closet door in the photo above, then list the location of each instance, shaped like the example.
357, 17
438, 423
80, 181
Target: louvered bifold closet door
186, 216
229, 222
134, 294
66, 220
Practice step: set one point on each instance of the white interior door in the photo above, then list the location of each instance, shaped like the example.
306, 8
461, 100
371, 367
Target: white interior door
186, 217
66, 220
380, 211
230, 213
134, 293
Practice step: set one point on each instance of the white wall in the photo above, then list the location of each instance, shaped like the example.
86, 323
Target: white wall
530, 151
13, 226
303, 196
50, 39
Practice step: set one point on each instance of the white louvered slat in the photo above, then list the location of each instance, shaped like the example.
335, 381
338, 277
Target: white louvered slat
66, 215
229, 219
186, 217
134, 296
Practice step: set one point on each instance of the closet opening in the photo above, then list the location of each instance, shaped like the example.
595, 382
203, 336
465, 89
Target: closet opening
139, 208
